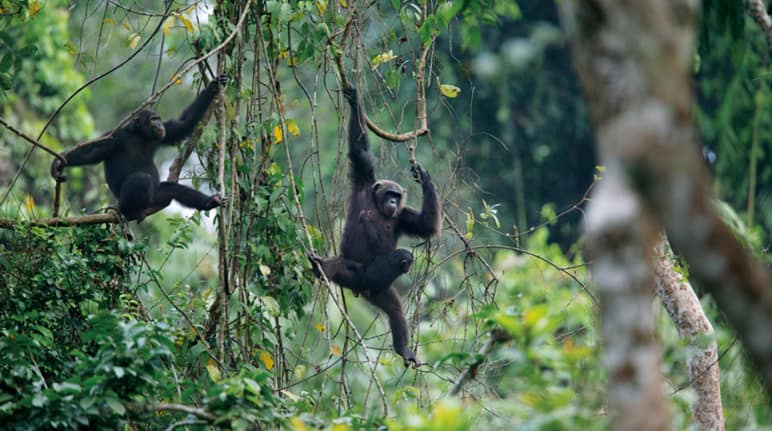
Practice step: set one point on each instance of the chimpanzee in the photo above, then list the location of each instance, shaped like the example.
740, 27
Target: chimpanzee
385, 219
128, 154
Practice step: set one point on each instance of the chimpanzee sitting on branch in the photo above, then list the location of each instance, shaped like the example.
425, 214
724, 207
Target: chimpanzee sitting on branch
128, 154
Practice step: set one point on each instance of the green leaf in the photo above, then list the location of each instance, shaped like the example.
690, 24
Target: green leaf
116, 406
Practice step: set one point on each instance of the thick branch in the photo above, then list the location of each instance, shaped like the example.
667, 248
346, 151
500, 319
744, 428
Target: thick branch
635, 61
684, 308
65, 221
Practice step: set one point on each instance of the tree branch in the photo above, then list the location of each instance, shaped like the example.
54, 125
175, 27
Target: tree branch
497, 336
758, 12
64, 221
29, 139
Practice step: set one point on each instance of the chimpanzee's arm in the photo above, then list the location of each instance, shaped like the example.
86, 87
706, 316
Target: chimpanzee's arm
362, 163
88, 153
182, 127
426, 223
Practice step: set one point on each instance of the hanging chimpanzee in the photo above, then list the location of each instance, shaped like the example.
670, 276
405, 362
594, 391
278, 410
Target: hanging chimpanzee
369, 259
128, 153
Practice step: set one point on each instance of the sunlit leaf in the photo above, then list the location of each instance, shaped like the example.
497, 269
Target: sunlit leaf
292, 127
34, 9
447, 412
266, 359
383, 58
534, 314
214, 372
321, 6
290, 395
450, 91
134, 40
168, 25
469, 223
186, 22
300, 371
278, 136
343, 3
265, 270
340, 426
29, 203
297, 424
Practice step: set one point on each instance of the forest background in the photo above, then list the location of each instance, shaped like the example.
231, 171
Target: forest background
194, 320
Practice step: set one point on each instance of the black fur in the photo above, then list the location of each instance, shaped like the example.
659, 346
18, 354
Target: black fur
376, 213
128, 154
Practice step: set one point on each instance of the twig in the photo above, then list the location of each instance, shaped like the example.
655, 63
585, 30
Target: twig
497, 336
194, 411
32, 141
421, 117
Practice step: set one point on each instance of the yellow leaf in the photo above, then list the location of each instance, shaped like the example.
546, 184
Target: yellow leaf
449, 90
336, 350
297, 424
446, 413
290, 395
315, 233
109, 21
383, 57
126, 26
534, 314
267, 360
265, 270
191, 9
134, 40
343, 3
186, 22
292, 127
214, 372
34, 9
30, 203
278, 136
300, 371
321, 6
168, 25
341, 426
319, 327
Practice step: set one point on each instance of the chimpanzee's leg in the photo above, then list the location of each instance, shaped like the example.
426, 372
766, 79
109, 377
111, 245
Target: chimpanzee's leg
137, 192
185, 195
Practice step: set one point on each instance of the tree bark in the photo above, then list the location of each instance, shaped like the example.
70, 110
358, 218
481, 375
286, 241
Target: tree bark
634, 59
684, 308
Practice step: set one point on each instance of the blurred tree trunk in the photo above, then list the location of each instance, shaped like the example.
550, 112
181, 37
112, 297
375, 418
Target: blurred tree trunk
684, 308
634, 59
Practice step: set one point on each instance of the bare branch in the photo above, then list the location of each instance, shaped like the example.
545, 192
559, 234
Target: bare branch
497, 336
65, 221
29, 139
